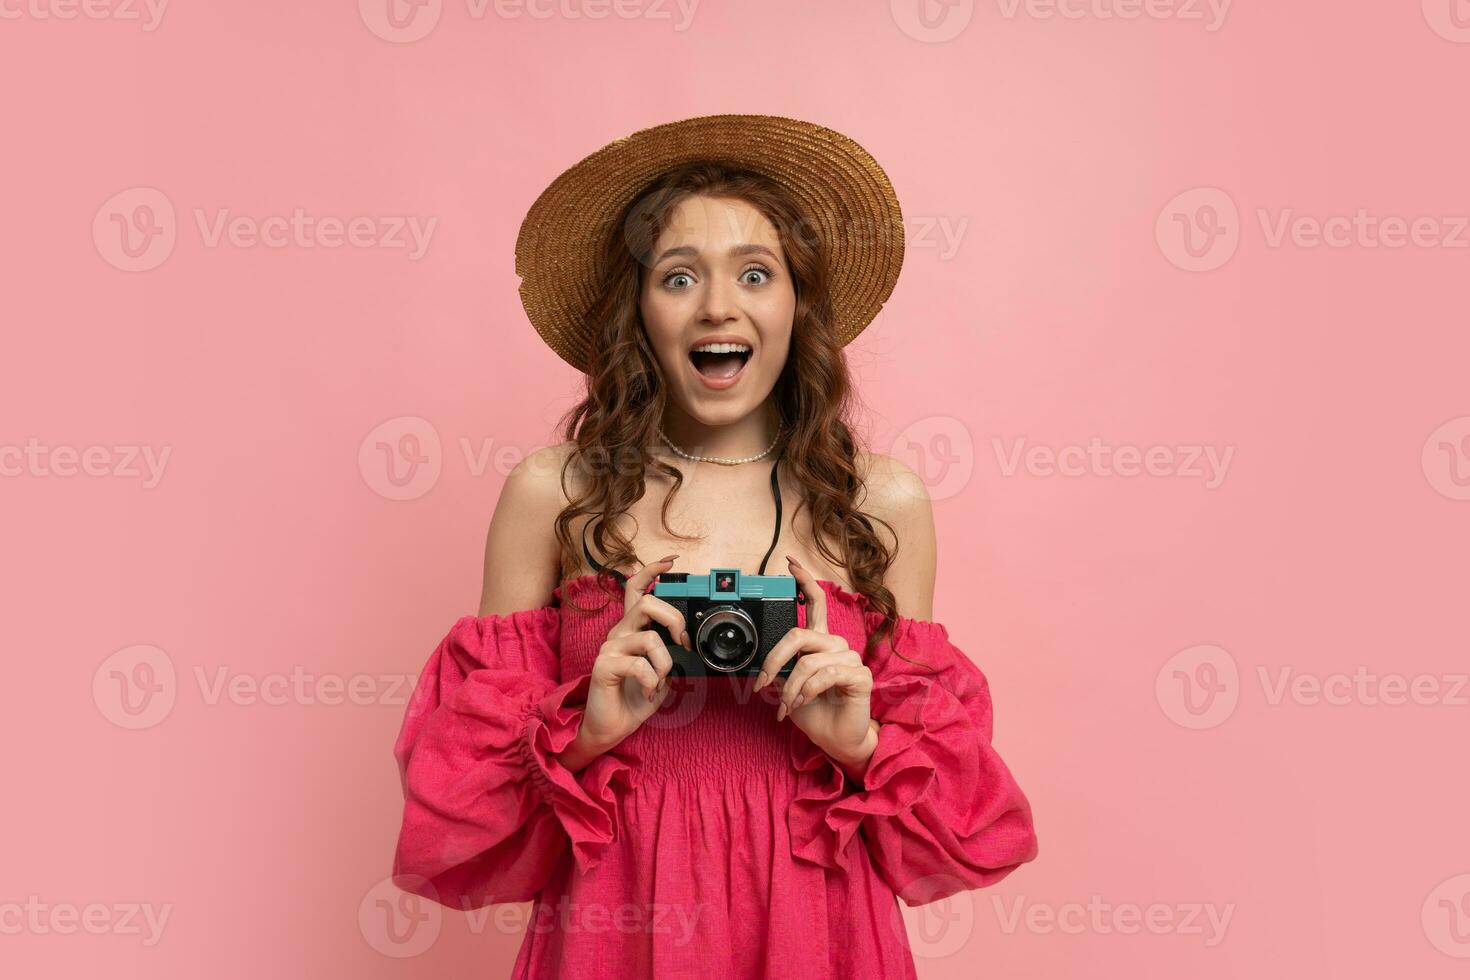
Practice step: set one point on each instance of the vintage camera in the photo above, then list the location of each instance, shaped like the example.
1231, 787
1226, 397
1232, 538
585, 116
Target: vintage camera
733, 620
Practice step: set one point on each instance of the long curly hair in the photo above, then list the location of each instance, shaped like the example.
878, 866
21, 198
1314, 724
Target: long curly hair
613, 430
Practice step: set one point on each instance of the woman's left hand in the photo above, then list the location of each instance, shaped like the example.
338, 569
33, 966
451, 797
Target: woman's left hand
828, 693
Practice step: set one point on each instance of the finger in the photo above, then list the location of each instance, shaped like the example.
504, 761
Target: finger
639, 581
651, 647
797, 640
649, 608
641, 672
850, 679
805, 667
643, 645
652, 609
816, 597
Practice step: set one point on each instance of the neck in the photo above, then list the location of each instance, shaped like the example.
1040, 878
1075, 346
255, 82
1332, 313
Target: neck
737, 440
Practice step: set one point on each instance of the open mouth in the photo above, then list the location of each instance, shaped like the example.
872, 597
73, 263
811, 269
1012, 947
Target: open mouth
722, 363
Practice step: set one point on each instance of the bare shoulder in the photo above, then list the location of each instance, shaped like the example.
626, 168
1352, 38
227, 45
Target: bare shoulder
898, 495
521, 559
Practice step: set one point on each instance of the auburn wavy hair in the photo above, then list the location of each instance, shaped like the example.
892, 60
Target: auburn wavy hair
614, 427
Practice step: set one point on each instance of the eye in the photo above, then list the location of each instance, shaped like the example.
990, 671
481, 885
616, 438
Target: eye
760, 271
675, 274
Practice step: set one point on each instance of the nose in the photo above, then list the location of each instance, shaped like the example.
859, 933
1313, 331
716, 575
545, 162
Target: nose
717, 305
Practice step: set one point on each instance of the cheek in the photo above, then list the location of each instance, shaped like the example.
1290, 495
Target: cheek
658, 323
779, 349
776, 319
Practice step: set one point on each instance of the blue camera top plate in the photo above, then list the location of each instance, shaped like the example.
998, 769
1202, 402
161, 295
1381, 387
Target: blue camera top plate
724, 583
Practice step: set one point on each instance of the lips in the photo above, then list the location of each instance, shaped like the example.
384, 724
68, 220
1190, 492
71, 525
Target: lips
719, 371
718, 366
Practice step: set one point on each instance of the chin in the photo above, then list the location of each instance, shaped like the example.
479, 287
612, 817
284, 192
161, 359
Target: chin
714, 415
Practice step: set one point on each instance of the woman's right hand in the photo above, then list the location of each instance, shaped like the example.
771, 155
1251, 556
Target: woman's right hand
630, 674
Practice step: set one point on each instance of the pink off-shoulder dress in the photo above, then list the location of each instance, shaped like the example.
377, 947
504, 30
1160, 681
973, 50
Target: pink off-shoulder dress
714, 842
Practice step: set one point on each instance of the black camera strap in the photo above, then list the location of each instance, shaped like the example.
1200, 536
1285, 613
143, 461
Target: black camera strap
775, 537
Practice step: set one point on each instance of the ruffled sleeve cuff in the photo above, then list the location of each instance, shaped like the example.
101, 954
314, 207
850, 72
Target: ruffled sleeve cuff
585, 803
829, 807
937, 807
489, 810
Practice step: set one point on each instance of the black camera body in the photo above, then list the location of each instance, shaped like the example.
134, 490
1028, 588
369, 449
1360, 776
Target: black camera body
733, 619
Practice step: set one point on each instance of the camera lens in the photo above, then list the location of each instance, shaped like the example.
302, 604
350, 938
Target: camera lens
726, 640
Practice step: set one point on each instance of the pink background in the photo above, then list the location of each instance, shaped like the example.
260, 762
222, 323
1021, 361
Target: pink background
1067, 303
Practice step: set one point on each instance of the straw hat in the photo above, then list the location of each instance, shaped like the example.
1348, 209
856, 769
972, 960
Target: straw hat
839, 187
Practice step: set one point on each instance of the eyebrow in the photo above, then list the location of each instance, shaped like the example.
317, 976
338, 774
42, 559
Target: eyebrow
735, 250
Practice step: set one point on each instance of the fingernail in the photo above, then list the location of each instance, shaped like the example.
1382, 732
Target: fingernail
781, 711
760, 680
668, 558
685, 636
652, 693
798, 702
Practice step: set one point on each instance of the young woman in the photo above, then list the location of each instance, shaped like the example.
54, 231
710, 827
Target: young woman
707, 827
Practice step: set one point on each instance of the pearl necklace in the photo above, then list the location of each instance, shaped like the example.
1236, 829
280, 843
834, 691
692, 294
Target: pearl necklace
717, 459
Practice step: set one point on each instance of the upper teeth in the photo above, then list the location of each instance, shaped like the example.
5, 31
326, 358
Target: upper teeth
723, 348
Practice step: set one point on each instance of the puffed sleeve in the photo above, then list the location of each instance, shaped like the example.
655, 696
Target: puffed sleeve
489, 811
938, 809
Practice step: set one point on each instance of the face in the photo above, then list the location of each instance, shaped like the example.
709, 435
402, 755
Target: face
719, 274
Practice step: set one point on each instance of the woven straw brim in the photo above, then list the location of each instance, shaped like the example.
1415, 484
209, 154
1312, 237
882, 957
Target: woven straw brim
838, 185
